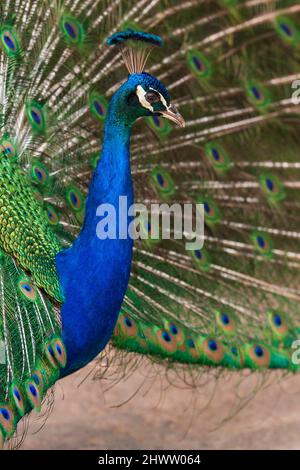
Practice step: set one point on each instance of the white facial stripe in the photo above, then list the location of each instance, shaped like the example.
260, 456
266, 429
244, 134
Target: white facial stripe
162, 99
141, 96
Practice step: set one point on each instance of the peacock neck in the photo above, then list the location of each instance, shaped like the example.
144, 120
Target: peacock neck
94, 272
112, 176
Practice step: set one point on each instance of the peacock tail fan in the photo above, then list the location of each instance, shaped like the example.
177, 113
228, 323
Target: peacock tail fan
231, 68
234, 302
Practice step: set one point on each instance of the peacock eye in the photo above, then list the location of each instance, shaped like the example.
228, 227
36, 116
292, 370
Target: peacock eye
152, 97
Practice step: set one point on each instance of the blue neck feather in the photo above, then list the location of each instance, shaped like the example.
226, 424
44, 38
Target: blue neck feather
94, 273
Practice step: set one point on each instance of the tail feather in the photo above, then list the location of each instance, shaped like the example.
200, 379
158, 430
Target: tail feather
235, 301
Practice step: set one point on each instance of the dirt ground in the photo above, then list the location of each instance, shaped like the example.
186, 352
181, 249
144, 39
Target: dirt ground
145, 412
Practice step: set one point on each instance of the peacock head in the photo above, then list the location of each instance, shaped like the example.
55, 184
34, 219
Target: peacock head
144, 95
147, 96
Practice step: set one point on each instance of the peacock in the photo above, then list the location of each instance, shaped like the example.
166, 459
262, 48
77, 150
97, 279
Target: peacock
232, 68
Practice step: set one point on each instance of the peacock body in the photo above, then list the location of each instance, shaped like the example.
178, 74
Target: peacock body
65, 292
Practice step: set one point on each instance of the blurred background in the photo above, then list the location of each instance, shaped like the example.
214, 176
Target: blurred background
146, 412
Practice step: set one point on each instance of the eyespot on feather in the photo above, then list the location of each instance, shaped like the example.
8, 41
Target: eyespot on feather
50, 356
33, 394
176, 331
211, 210
257, 94
277, 323
38, 378
9, 40
75, 199
217, 156
165, 340
272, 187
287, 29
7, 419
259, 355
36, 116
198, 64
201, 259
127, 325
212, 349
39, 174
262, 243
18, 398
7, 148
52, 215
27, 289
59, 351
226, 320
162, 182
98, 106
72, 30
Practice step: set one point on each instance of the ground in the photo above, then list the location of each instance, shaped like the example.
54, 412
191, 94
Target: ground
146, 413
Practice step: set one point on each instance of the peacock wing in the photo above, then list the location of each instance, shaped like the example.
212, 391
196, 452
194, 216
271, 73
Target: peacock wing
31, 351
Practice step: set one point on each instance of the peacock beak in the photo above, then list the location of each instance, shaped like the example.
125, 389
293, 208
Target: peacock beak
173, 114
